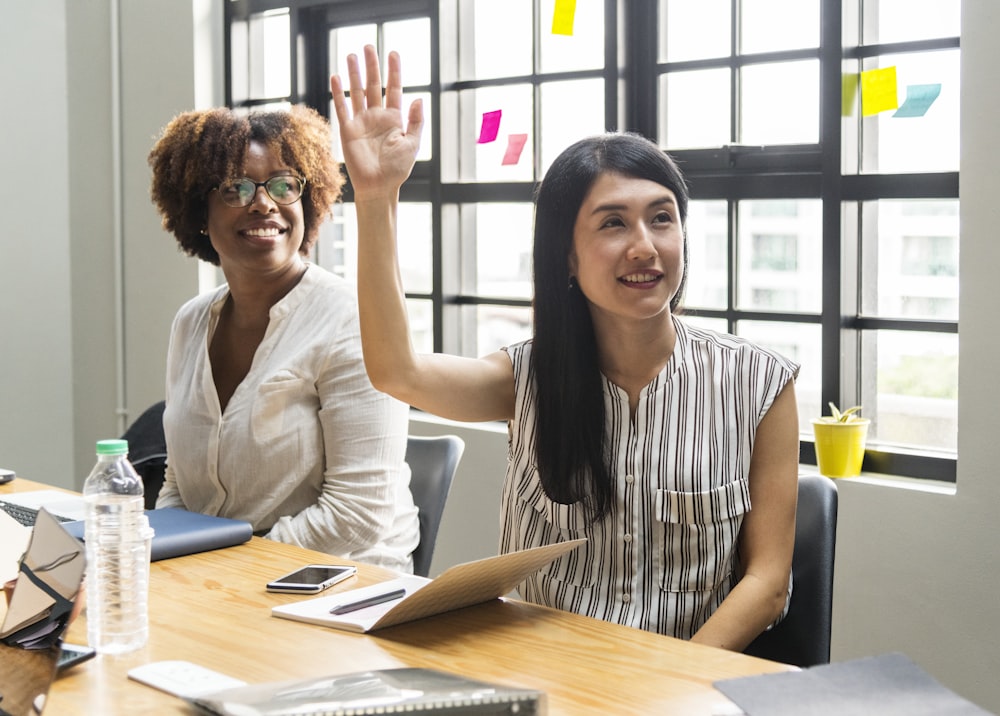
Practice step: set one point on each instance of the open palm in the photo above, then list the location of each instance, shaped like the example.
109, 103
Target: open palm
378, 151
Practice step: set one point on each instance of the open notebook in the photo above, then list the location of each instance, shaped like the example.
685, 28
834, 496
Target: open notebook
460, 586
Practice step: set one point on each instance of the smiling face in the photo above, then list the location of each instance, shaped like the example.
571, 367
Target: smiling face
263, 237
628, 248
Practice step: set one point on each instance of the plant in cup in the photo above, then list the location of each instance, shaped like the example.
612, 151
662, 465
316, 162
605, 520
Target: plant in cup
840, 441
848, 416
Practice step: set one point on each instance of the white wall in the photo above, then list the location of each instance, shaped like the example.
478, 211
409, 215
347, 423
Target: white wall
916, 571
36, 358
88, 280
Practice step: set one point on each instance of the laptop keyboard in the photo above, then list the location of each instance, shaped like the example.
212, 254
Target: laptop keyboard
25, 515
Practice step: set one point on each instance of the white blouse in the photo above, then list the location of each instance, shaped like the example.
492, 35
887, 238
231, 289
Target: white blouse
307, 450
666, 555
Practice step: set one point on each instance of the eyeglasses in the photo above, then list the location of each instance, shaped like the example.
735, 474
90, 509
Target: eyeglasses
283, 189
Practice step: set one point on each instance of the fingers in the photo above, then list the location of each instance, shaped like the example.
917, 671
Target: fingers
415, 119
369, 93
373, 88
394, 83
354, 75
339, 101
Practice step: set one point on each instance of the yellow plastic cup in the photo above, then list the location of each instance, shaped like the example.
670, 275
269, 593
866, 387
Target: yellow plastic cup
840, 447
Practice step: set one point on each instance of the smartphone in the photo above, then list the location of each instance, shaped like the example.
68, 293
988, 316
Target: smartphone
312, 578
71, 654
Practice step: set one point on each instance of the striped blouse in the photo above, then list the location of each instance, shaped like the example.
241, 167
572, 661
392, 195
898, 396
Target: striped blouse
665, 557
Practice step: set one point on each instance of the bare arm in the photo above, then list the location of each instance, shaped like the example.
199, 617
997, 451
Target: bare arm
379, 153
768, 533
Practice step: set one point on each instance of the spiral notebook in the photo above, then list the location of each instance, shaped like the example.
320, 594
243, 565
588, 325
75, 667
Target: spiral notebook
384, 691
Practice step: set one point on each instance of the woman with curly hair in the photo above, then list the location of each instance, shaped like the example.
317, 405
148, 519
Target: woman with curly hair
270, 416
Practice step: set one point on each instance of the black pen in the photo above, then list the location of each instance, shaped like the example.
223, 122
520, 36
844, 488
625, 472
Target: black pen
368, 602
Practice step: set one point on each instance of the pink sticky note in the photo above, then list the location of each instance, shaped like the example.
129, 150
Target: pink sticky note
515, 144
491, 125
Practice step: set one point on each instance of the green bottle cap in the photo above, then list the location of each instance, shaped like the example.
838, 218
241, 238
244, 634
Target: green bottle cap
112, 447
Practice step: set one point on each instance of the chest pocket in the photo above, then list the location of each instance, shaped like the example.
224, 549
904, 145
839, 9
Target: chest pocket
542, 521
696, 535
271, 405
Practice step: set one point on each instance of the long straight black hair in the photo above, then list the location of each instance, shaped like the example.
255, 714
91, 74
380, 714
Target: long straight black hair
570, 445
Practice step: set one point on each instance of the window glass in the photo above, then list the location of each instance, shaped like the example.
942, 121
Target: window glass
270, 54
563, 121
925, 143
515, 105
239, 60
718, 325
694, 30
412, 40
911, 248
912, 398
780, 103
500, 39
780, 256
583, 50
344, 41
499, 326
708, 263
771, 25
421, 316
414, 244
695, 109
799, 342
906, 20
503, 250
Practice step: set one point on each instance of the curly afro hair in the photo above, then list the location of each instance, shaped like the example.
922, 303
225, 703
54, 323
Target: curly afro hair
198, 150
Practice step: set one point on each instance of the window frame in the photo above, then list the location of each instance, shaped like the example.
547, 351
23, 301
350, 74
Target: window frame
731, 173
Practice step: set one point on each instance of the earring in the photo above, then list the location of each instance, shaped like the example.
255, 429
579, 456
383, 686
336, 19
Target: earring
572, 283
204, 232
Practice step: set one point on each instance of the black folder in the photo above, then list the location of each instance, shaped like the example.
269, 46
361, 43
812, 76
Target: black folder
178, 532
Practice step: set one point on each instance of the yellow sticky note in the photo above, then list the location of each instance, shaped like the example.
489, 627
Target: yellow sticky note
878, 91
849, 93
563, 16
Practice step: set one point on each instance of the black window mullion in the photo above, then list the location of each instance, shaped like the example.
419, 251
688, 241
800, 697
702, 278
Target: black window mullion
831, 32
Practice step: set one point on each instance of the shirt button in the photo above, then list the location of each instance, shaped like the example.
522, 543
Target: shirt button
630, 479
627, 538
626, 598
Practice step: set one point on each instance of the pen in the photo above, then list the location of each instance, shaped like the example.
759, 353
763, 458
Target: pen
368, 602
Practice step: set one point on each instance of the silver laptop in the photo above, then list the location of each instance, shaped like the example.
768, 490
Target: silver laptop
23, 506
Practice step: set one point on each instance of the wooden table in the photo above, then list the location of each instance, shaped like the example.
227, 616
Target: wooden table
212, 609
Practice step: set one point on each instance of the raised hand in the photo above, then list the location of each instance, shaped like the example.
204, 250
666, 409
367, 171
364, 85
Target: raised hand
378, 151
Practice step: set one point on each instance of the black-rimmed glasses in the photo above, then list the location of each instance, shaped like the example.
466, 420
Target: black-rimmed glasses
283, 189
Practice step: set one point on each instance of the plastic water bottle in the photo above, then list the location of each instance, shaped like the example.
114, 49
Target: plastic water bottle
117, 541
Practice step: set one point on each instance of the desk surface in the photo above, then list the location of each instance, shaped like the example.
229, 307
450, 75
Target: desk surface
212, 609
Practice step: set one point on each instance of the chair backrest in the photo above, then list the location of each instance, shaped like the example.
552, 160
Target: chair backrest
432, 461
147, 450
802, 638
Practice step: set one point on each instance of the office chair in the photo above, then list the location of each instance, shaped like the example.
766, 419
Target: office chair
147, 450
802, 638
432, 461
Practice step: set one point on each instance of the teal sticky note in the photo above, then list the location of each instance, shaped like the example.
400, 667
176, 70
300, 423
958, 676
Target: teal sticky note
918, 99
